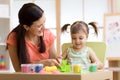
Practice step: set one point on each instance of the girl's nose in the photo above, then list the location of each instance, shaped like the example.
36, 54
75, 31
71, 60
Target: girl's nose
77, 40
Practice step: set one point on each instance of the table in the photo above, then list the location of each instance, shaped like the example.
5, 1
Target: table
99, 75
114, 64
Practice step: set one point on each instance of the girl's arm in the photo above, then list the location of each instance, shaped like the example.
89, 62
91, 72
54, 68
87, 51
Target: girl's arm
64, 54
94, 59
14, 58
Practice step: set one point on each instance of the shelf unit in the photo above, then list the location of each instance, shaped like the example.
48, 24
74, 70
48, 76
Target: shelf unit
4, 30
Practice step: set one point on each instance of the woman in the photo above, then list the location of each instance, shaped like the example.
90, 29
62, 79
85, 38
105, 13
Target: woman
30, 41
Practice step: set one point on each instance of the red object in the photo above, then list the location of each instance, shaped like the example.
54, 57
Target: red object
2, 57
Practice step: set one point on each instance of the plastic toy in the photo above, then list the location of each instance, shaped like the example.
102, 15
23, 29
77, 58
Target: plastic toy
2, 62
65, 67
49, 69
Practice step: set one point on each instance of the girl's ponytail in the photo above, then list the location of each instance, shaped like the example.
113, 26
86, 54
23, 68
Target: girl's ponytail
93, 24
64, 28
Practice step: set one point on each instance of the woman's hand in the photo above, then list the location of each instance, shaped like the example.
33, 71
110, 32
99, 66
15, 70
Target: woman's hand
50, 62
59, 59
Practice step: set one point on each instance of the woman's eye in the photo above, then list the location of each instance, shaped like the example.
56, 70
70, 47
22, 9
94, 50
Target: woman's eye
39, 26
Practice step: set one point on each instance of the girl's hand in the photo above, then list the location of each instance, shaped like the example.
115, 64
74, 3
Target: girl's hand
99, 65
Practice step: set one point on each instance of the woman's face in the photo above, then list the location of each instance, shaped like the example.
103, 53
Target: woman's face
79, 40
37, 27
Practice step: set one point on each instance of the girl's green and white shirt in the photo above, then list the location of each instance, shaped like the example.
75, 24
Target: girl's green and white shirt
81, 58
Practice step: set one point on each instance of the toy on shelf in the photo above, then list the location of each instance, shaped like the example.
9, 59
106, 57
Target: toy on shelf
2, 62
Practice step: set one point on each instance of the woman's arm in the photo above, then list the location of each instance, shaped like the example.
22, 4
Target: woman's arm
52, 61
14, 58
95, 59
52, 52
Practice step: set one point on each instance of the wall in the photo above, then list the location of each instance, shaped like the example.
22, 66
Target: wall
76, 10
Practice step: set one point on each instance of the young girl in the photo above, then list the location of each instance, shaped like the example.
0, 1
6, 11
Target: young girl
79, 53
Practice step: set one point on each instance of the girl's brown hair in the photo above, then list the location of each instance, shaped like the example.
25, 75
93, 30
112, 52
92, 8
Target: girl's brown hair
80, 25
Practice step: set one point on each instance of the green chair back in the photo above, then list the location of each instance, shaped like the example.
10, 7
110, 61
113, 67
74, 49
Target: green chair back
98, 47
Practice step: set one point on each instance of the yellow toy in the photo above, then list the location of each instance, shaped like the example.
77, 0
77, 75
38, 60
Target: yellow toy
50, 68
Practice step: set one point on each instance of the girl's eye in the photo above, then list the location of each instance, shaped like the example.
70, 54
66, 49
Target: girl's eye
74, 38
81, 38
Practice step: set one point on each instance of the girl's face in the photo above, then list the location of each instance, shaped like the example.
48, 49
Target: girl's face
79, 40
37, 27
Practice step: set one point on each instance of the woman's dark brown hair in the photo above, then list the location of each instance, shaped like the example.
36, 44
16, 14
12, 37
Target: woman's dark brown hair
29, 13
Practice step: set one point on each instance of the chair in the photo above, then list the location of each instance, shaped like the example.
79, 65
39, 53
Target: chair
98, 47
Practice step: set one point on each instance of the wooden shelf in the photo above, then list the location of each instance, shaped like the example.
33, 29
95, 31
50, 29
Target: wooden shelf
4, 30
113, 58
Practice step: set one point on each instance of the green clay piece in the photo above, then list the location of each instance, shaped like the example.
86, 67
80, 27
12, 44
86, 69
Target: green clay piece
65, 67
